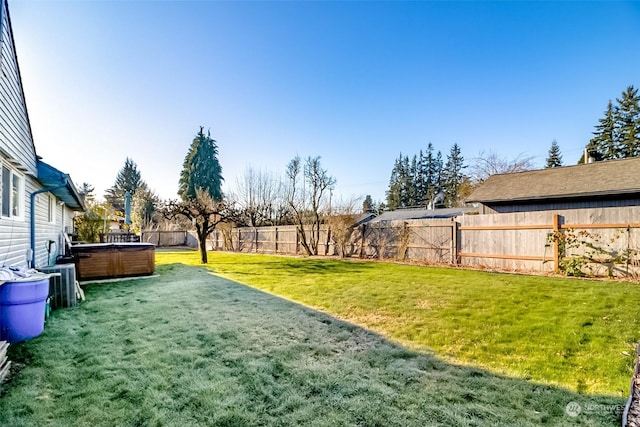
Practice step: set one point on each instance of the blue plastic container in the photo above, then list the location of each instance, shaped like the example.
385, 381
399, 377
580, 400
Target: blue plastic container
22, 308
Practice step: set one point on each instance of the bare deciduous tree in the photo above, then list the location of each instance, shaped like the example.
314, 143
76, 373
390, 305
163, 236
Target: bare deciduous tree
205, 214
487, 164
342, 224
308, 185
260, 198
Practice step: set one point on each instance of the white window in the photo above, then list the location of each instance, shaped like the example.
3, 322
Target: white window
51, 208
12, 204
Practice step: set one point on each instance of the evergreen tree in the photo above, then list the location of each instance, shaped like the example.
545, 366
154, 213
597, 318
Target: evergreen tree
144, 205
200, 188
603, 144
368, 205
414, 182
201, 169
429, 171
420, 180
86, 193
434, 173
453, 176
627, 124
617, 136
555, 158
412, 187
393, 193
128, 179
405, 182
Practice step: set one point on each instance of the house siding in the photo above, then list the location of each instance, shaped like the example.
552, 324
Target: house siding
15, 232
560, 205
18, 152
46, 230
16, 145
16, 142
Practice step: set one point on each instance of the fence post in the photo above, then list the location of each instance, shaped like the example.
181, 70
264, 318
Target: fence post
454, 241
297, 241
275, 241
326, 246
255, 238
239, 240
556, 243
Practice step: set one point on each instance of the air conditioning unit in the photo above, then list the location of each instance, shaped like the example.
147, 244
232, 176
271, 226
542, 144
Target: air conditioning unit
62, 286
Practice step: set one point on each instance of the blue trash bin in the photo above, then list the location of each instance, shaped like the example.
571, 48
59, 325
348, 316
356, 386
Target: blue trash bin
22, 308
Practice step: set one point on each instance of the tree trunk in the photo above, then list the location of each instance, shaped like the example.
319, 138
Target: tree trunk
203, 248
201, 229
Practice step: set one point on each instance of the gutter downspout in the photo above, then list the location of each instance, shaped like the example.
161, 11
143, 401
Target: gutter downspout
33, 217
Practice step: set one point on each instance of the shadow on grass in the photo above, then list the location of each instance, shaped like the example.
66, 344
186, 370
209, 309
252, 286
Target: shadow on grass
191, 348
318, 266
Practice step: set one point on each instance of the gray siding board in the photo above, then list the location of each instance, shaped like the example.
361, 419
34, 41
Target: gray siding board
44, 229
9, 133
15, 234
15, 139
16, 142
561, 205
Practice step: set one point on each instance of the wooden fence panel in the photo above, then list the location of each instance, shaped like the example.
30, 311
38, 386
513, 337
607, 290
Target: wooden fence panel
610, 233
266, 240
512, 241
521, 241
418, 240
431, 241
165, 238
246, 239
287, 240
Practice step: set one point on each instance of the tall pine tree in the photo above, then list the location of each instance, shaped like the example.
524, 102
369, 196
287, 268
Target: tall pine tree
453, 176
435, 174
603, 144
128, 179
415, 182
617, 136
555, 158
393, 193
200, 188
368, 205
627, 124
201, 169
420, 180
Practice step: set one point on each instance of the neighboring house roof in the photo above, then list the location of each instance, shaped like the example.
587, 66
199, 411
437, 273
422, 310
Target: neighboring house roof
606, 178
60, 185
365, 217
421, 213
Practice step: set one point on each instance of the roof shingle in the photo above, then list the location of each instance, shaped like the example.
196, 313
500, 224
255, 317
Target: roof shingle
593, 179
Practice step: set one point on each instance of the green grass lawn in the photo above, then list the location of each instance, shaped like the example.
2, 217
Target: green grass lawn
189, 348
578, 334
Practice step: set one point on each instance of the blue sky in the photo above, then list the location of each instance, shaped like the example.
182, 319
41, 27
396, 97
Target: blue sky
353, 82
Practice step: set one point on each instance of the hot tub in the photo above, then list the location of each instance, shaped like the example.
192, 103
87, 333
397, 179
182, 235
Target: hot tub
110, 260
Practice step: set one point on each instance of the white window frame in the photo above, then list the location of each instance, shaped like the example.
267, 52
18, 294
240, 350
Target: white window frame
16, 201
51, 208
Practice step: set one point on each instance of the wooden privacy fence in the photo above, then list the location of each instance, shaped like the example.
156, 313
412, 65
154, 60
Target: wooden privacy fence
269, 240
432, 241
602, 240
165, 238
119, 238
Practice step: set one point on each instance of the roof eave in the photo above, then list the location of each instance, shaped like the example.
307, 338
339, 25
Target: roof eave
557, 196
60, 185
